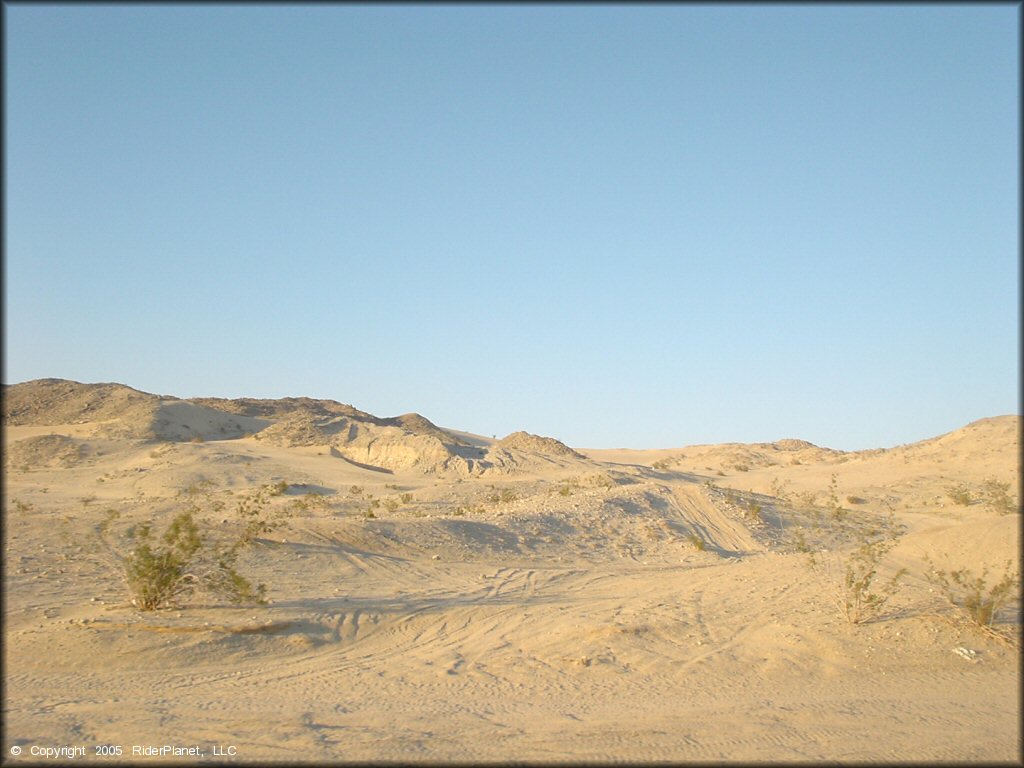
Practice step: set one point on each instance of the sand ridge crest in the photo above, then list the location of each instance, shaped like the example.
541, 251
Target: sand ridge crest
524, 441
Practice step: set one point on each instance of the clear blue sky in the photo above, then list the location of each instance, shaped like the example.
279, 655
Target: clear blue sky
636, 226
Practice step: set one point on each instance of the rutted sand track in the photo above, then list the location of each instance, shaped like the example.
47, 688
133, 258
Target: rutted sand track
719, 532
418, 659
563, 615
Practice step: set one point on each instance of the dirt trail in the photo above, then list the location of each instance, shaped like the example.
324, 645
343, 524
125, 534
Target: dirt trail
720, 533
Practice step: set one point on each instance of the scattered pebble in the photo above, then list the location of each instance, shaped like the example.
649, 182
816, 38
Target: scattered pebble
966, 653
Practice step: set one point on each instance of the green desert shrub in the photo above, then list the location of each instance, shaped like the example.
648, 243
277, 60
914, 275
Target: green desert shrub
960, 494
835, 509
852, 573
861, 597
504, 496
752, 510
255, 515
308, 503
157, 573
971, 593
161, 570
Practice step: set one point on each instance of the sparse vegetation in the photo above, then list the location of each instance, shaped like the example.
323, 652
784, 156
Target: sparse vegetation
853, 574
972, 595
996, 495
279, 488
752, 510
308, 502
68, 539
834, 508
652, 532
808, 499
504, 496
195, 488
602, 480
960, 494
780, 490
252, 511
22, 506
697, 541
109, 516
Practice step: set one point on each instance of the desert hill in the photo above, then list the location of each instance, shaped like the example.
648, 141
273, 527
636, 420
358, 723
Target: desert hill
979, 439
524, 441
441, 596
60, 401
118, 411
383, 443
274, 409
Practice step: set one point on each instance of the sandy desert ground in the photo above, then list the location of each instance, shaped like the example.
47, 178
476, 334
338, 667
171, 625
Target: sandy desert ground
437, 596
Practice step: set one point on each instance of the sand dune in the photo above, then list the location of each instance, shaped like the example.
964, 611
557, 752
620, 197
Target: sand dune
439, 596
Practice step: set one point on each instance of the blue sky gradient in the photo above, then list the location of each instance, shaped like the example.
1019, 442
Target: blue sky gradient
638, 226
